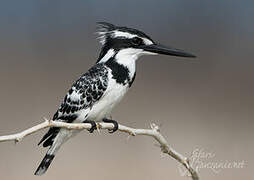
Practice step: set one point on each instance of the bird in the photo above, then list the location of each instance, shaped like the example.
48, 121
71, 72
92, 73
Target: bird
92, 97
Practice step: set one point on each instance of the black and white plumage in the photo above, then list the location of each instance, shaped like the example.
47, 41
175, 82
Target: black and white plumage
87, 90
93, 96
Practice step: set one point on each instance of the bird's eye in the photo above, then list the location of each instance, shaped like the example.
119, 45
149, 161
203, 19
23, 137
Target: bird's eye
137, 41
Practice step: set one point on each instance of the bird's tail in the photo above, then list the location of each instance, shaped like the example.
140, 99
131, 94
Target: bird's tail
48, 158
61, 137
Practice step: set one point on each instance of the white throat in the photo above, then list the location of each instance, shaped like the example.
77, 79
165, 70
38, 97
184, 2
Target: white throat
127, 57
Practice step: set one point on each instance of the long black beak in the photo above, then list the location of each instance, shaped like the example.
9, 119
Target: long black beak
160, 49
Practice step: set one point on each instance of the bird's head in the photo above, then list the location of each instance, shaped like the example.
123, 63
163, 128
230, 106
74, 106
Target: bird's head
128, 43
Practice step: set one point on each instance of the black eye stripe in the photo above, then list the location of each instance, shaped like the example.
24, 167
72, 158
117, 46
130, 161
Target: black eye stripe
137, 41
120, 43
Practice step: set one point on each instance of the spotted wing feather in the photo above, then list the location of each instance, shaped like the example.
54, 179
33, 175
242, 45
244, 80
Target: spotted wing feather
88, 89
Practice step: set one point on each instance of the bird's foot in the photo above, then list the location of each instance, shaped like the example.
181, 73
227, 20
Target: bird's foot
115, 128
93, 125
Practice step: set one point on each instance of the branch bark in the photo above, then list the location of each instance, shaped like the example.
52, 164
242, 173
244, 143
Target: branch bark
153, 132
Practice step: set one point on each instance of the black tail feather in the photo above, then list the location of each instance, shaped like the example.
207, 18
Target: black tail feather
44, 164
49, 137
49, 141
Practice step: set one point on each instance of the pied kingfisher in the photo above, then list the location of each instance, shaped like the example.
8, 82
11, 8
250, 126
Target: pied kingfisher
92, 97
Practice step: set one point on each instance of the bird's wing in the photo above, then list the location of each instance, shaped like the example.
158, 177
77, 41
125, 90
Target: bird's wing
87, 90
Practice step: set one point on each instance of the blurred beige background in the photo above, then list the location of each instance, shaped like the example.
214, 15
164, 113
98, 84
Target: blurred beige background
207, 103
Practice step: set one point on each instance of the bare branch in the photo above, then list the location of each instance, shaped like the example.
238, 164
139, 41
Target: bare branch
153, 132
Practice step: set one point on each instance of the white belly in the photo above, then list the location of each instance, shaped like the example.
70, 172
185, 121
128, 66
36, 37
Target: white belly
113, 95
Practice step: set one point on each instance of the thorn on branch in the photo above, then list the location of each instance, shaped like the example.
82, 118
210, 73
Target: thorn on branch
47, 120
132, 133
187, 162
155, 127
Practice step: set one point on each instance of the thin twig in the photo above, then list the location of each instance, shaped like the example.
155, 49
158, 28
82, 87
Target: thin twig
153, 132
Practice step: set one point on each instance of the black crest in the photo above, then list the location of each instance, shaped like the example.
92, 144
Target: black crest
105, 29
